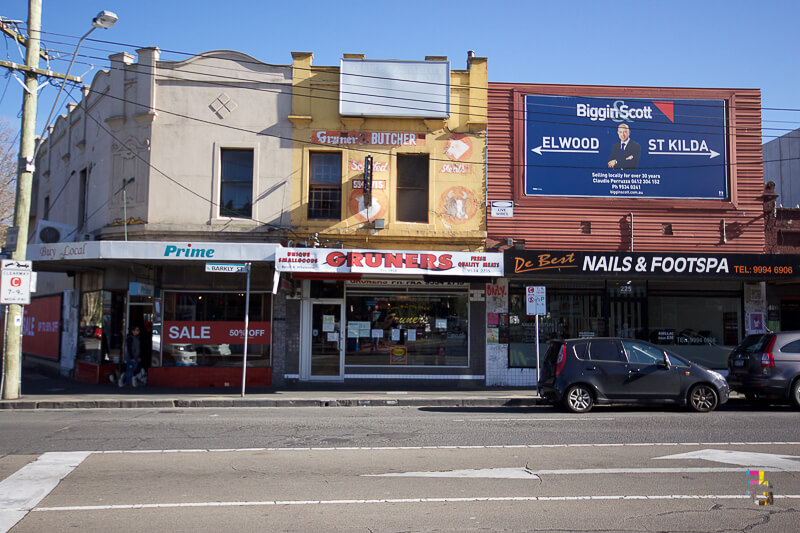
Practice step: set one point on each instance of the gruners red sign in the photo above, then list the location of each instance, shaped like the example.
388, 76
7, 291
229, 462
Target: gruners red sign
388, 262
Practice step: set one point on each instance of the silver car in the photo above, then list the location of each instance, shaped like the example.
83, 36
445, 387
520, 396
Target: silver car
767, 366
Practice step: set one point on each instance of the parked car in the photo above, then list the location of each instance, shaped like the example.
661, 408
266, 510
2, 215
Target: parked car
583, 372
767, 366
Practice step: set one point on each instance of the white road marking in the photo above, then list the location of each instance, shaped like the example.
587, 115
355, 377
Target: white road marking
566, 419
454, 447
23, 490
493, 473
508, 473
766, 461
411, 500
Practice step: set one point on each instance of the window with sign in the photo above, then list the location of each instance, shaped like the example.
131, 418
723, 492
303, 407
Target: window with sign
702, 329
207, 329
412, 329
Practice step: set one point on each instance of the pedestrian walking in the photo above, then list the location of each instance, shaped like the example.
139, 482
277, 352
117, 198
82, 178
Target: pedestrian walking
133, 352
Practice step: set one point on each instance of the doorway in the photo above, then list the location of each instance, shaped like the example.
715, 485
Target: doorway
325, 360
141, 314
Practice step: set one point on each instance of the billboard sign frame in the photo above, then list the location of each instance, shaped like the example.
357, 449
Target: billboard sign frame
674, 148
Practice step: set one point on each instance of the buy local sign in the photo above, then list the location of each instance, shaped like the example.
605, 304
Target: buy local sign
391, 262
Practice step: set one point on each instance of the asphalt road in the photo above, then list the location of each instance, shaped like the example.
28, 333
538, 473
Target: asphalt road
397, 469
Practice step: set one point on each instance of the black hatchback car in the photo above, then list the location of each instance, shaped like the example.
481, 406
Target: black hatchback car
582, 372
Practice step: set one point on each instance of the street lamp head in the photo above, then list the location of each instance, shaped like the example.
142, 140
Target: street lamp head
105, 19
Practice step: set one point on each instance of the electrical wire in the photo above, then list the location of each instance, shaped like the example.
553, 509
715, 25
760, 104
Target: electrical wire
156, 169
307, 142
337, 97
289, 230
366, 76
389, 152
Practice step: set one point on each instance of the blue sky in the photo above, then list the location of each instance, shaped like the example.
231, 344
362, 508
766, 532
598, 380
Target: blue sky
729, 44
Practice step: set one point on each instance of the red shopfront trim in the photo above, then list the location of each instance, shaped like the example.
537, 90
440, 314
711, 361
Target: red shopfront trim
207, 376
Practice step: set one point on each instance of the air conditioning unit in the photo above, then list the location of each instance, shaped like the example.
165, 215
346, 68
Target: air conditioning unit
48, 232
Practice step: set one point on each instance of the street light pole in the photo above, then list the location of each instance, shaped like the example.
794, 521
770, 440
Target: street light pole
12, 368
104, 19
27, 144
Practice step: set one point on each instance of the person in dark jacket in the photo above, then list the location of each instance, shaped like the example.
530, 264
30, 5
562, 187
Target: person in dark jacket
133, 352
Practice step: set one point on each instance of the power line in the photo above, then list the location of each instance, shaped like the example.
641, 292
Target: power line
388, 153
641, 126
211, 202
322, 67
214, 204
153, 167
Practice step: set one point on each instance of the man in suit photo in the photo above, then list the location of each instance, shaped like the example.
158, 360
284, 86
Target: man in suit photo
625, 153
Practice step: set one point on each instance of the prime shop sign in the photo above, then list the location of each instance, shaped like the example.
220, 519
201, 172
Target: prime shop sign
538, 262
321, 260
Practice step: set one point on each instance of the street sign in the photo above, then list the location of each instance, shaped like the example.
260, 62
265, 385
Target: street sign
536, 300
15, 287
227, 268
12, 234
502, 208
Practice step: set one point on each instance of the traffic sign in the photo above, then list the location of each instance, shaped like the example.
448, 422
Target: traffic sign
536, 298
15, 287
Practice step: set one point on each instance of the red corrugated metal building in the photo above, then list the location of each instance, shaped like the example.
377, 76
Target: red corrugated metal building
665, 244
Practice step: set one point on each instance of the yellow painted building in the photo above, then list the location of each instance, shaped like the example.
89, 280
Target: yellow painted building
427, 140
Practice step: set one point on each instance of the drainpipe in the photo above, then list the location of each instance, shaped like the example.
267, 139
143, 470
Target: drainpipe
631, 231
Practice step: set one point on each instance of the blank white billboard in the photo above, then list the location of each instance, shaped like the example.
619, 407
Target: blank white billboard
389, 88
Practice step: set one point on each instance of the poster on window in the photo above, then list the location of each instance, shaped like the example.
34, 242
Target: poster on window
204, 332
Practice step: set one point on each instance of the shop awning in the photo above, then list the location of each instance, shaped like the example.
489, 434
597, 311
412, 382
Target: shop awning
93, 254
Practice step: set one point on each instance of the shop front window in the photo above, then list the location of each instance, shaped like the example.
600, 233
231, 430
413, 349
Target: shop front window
207, 329
407, 329
702, 329
101, 328
570, 314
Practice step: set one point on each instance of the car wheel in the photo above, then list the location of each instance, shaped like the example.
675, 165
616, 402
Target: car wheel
703, 398
579, 399
796, 394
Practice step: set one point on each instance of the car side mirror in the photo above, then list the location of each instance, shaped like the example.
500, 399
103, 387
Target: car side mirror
664, 364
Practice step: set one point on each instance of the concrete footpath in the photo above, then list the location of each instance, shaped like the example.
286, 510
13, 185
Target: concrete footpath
45, 391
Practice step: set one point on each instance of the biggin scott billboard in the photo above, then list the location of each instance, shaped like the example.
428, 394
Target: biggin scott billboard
625, 147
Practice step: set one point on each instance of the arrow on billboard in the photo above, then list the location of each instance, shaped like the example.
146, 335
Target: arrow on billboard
711, 153
539, 150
